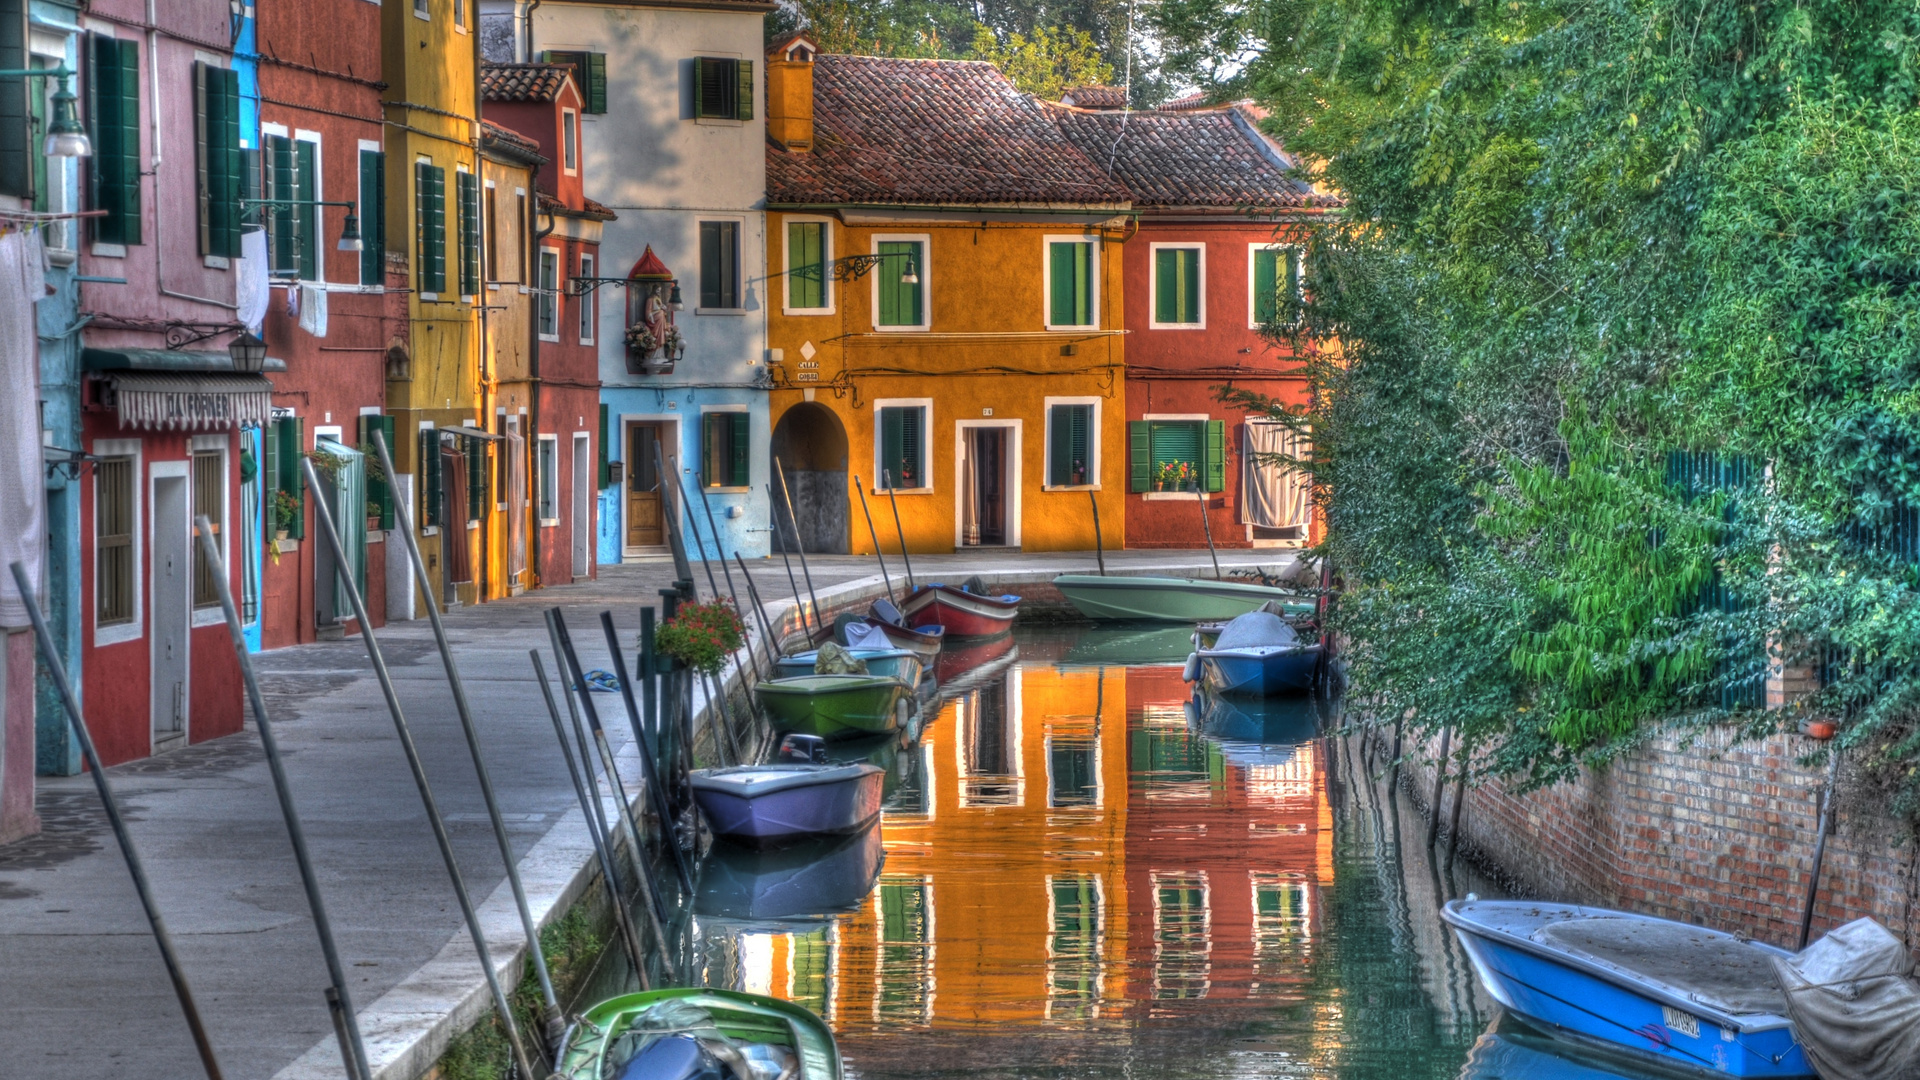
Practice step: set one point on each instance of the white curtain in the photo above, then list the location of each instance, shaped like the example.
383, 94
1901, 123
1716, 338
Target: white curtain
22, 484
350, 515
1275, 496
516, 506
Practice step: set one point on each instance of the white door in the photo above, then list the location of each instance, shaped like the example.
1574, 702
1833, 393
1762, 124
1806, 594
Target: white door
583, 470
172, 607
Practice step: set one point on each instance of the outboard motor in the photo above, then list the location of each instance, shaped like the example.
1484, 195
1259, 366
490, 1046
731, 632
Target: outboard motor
887, 613
802, 750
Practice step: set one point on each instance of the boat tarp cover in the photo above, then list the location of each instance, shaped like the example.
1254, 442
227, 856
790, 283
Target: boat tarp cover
865, 635
832, 659
1855, 1004
1256, 629
1715, 969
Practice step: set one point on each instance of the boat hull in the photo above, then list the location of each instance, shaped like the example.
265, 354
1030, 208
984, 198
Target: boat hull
961, 613
749, 1017
1582, 1004
1266, 671
833, 706
842, 799
955, 662
903, 664
807, 879
1164, 599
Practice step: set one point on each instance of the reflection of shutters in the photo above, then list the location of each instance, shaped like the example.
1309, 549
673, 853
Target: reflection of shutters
1216, 463
1139, 455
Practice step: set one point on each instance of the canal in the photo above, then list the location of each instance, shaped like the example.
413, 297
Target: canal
1080, 872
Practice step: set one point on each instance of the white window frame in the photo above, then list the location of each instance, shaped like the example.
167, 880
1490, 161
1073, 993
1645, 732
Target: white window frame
221, 444
547, 488
589, 311
700, 476
1093, 444
1153, 285
827, 245
569, 140
926, 444
134, 628
543, 295
1253, 300
923, 267
1046, 276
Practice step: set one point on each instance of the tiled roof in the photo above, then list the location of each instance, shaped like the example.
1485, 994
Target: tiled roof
523, 82
1195, 100
931, 132
1188, 159
590, 210
1096, 97
495, 137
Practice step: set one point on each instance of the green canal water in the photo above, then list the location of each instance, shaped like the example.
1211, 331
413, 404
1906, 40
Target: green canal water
1081, 873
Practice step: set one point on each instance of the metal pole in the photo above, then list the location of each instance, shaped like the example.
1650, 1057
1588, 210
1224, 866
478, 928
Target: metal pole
1819, 846
792, 585
352, 1046
1439, 785
799, 545
650, 775
355, 1066
886, 477
713, 529
722, 720
649, 697
1208, 527
556, 1020
596, 826
323, 516
766, 628
706, 564
1453, 819
676, 542
50, 656
1099, 551
871, 531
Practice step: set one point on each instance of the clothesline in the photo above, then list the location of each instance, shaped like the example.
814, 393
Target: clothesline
12, 221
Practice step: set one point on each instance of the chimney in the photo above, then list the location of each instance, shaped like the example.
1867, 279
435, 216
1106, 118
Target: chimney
790, 94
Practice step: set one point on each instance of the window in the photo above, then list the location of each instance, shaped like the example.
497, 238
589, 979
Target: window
549, 294
546, 480
1070, 283
902, 447
113, 530
490, 212
1276, 276
460, 13
286, 493
22, 125
807, 265
1177, 454
430, 483
720, 264
1182, 935
1073, 947
216, 121
469, 190
589, 74
1073, 772
585, 301
569, 141
379, 490
420, 9
373, 217
1070, 445
291, 174
430, 226
726, 444
1177, 296
722, 88
900, 283
903, 968
210, 499
113, 109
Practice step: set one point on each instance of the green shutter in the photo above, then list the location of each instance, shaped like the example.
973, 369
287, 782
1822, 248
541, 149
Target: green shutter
114, 109
1079, 448
430, 197
1070, 299
1216, 463
606, 463
205, 116
743, 104
908, 474
1059, 445
900, 302
430, 479
269, 474
1266, 285
1189, 286
710, 450
1139, 455
699, 86
372, 211
595, 92
476, 454
280, 185
806, 265
380, 487
290, 434
306, 190
216, 132
18, 154
738, 442
1166, 308
892, 446
469, 192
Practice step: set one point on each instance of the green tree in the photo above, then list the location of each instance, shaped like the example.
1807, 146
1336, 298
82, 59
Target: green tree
1045, 64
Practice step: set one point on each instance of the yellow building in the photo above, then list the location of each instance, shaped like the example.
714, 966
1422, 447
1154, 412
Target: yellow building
945, 310
508, 161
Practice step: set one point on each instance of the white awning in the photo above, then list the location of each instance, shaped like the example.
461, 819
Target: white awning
170, 401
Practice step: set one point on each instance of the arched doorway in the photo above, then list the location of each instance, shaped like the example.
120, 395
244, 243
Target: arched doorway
811, 446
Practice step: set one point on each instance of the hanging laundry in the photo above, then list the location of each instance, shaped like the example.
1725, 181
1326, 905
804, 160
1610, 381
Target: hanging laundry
252, 287
22, 486
313, 308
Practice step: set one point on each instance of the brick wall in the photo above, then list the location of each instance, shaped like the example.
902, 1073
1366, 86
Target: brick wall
1713, 832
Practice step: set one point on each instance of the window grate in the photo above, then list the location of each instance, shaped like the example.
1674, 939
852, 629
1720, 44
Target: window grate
113, 541
209, 499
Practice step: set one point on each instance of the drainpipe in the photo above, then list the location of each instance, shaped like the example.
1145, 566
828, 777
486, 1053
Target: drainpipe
529, 35
153, 132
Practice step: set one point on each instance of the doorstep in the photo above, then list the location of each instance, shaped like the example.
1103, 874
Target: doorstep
969, 549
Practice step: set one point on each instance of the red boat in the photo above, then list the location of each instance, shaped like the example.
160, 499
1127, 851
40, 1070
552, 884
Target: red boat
964, 614
972, 656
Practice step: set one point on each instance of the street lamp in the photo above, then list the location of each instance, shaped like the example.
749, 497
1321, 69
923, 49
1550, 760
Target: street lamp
912, 276
65, 137
673, 300
350, 234
249, 353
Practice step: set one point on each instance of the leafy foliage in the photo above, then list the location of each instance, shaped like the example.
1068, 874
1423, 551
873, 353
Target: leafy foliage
1046, 64
702, 635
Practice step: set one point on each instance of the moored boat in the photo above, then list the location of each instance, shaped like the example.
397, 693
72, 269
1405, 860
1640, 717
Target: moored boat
1167, 599
766, 804
808, 879
689, 1031
834, 706
902, 664
1257, 655
962, 612
1665, 992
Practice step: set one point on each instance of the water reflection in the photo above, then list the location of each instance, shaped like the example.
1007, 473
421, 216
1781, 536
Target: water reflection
1084, 873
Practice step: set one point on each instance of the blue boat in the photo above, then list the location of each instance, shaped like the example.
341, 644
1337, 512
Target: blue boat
1256, 655
808, 880
1510, 1051
1678, 996
902, 664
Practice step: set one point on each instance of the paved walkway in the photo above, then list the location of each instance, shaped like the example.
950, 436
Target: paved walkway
82, 989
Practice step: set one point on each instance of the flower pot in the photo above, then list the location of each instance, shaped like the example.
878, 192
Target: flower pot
1821, 729
1159, 486
279, 534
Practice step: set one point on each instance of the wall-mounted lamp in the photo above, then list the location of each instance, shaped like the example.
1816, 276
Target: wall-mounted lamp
349, 231
66, 138
249, 353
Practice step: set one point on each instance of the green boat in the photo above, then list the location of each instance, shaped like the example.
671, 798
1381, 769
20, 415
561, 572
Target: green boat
671, 1029
1165, 599
834, 706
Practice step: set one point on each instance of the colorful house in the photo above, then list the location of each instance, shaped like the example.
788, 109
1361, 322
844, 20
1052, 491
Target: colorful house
1218, 214
946, 266
672, 139
554, 254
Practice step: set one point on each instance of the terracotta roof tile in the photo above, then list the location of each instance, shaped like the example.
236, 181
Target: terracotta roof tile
1188, 159
931, 132
494, 136
523, 82
1195, 100
1096, 97
590, 210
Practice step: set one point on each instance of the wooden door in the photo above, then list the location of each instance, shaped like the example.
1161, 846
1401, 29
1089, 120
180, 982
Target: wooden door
989, 480
644, 505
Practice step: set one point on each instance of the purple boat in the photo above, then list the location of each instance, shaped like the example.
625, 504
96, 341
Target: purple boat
770, 804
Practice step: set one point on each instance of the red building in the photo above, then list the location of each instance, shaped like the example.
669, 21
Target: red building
328, 316
1218, 241
542, 103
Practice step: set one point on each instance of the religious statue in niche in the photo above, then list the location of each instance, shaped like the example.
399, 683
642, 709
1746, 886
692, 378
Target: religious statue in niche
653, 341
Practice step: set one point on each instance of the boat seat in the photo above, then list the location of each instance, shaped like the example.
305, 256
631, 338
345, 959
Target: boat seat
1710, 967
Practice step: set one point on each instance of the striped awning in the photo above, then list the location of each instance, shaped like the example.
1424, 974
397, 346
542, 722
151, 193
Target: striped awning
169, 401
